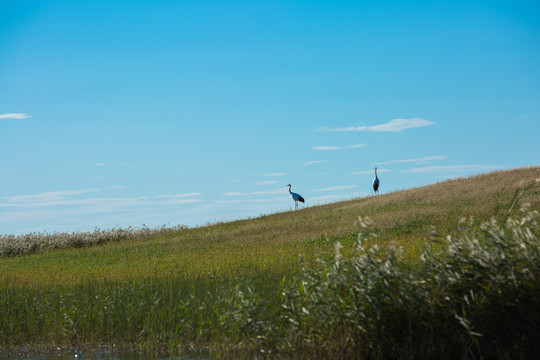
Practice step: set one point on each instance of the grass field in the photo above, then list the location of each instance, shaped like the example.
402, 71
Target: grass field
225, 286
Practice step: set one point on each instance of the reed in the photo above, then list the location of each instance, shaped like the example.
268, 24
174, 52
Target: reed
477, 297
309, 283
32, 243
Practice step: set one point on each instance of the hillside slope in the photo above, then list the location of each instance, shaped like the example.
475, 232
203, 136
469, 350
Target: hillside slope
274, 242
242, 286
403, 214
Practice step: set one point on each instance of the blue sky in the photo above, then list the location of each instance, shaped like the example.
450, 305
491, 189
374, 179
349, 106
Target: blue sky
118, 113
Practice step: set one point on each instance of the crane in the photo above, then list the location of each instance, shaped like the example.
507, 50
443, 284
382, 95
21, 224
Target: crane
376, 182
296, 197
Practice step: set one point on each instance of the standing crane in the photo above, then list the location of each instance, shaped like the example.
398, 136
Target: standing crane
376, 182
296, 197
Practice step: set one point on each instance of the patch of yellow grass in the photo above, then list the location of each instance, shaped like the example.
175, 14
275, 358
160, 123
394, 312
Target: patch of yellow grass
273, 243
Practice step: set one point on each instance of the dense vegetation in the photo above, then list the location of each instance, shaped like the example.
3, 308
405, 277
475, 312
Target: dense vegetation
478, 297
311, 283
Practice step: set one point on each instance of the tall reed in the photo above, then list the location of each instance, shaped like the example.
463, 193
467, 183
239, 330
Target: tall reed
37, 242
477, 298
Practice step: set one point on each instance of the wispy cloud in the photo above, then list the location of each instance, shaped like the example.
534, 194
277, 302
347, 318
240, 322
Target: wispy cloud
267, 182
71, 210
269, 192
372, 171
73, 198
72, 203
118, 187
235, 201
47, 197
75, 209
398, 125
232, 193
100, 164
280, 199
336, 188
325, 197
179, 195
175, 201
395, 125
454, 169
314, 162
16, 116
326, 148
275, 174
355, 146
270, 200
264, 192
423, 160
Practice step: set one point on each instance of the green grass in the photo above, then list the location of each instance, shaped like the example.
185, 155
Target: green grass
203, 287
476, 297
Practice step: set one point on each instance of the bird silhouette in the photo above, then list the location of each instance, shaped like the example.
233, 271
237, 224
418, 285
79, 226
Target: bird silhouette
296, 197
376, 182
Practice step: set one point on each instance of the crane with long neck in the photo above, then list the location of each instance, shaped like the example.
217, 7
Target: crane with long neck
376, 182
296, 197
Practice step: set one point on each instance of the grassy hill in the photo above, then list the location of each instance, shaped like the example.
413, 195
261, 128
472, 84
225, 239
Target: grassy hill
174, 288
274, 242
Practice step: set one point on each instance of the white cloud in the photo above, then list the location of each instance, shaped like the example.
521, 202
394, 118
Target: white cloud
454, 169
272, 200
100, 164
71, 210
68, 198
275, 174
48, 196
335, 188
326, 148
175, 201
179, 195
398, 125
370, 172
314, 162
269, 192
265, 192
71, 214
395, 125
267, 182
423, 160
118, 187
232, 193
276, 200
15, 116
325, 197
88, 203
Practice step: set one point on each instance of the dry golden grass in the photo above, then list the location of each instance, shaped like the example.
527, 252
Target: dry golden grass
401, 216
220, 284
274, 242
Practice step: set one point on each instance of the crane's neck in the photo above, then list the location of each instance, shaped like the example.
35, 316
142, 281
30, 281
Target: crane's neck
289, 189
375, 172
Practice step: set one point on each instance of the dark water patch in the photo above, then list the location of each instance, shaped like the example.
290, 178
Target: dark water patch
96, 353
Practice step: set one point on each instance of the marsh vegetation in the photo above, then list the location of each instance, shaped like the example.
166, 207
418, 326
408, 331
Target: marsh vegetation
399, 275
